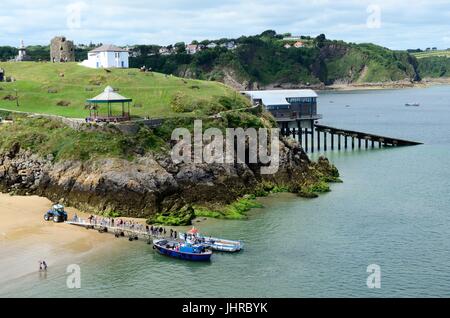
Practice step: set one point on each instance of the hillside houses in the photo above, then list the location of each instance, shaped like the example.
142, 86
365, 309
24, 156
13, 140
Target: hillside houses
297, 45
166, 50
194, 48
231, 45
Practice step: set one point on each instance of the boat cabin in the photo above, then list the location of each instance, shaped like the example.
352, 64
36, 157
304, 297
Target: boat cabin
188, 248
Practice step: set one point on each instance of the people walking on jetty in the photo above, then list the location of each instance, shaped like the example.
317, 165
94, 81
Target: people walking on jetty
126, 225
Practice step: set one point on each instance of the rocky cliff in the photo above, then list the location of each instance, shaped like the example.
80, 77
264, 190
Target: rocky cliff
152, 184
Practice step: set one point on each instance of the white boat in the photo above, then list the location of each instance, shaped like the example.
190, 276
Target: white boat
214, 243
412, 104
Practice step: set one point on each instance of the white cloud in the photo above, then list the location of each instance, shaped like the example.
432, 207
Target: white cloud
404, 24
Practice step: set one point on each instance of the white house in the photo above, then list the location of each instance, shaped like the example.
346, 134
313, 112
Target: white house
107, 56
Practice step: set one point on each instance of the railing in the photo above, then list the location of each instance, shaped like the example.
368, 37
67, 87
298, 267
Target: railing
117, 225
296, 117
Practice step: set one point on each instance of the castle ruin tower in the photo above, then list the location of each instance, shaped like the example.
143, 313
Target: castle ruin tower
62, 50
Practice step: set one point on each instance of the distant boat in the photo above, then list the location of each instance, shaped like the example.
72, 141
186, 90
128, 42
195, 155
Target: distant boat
412, 104
184, 251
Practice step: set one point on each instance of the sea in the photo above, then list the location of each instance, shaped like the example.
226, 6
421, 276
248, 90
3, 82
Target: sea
383, 232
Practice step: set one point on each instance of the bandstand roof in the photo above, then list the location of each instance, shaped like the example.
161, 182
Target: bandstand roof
109, 96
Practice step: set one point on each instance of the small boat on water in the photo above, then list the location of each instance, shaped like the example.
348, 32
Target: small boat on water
184, 251
412, 104
216, 244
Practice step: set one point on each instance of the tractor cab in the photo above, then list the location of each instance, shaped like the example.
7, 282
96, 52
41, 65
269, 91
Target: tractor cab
56, 214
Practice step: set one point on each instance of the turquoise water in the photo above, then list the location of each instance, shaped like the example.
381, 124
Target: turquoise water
393, 210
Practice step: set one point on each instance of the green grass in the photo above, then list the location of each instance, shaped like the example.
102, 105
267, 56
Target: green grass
151, 92
440, 53
48, 137
234, 211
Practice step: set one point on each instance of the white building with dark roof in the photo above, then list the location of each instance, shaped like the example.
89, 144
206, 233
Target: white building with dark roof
107, 56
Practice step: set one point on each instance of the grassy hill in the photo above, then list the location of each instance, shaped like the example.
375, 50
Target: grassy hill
42, 86
440, 53
263, 60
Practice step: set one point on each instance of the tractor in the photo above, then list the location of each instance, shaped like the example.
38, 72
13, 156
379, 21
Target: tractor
56, 213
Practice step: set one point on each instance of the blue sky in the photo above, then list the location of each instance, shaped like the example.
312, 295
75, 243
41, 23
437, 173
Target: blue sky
397, 24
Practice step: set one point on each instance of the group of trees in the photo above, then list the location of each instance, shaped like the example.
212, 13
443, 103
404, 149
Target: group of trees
7, 53
261, 58
42, 53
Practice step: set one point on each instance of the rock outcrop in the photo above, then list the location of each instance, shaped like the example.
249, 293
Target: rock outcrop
149, 184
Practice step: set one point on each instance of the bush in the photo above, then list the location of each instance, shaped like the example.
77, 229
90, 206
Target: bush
181, 104
63, 103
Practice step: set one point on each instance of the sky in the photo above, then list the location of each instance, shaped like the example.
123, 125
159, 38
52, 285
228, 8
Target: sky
396, 24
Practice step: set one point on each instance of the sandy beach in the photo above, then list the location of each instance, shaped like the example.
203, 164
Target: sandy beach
26, 239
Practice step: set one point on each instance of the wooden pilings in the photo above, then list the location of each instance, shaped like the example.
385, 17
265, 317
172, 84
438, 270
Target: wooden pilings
312, 139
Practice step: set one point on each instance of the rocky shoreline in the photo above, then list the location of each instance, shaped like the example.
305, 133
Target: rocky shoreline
153, 185
341, 86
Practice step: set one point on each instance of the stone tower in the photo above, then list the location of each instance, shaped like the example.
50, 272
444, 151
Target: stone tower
62, 50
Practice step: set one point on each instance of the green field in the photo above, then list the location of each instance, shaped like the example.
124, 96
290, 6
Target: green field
41, 86
421, 55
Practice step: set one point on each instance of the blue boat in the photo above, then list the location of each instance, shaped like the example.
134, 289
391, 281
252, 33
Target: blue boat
184, 251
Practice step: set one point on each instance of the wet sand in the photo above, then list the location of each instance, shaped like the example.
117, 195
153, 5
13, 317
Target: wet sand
26, 239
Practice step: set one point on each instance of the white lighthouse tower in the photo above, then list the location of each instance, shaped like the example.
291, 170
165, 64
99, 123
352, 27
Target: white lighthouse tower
22, 53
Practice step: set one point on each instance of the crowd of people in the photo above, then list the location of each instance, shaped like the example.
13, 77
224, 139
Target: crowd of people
130, 225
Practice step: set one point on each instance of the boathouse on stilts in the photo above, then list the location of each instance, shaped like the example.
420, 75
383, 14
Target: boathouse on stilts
295, 111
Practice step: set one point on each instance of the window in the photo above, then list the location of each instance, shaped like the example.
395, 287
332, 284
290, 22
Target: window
301, 100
